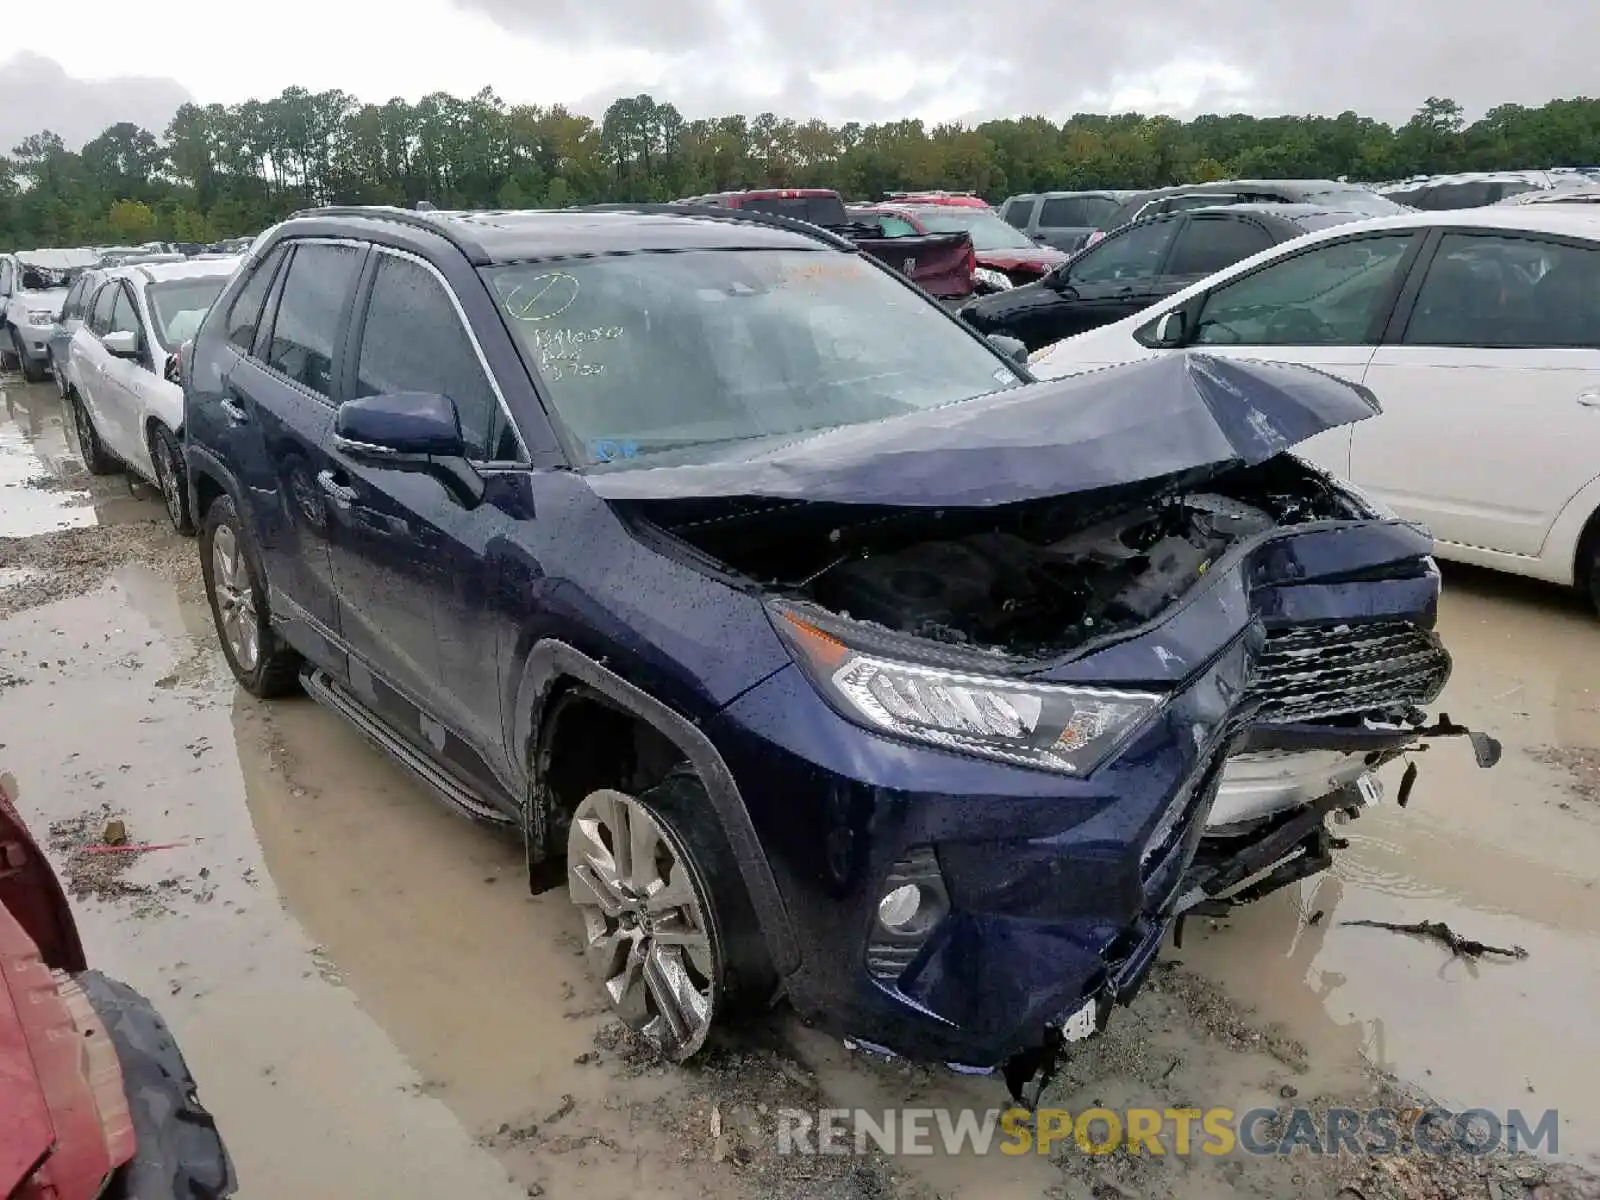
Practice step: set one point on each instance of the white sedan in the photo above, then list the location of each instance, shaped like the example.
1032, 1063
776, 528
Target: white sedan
126, 403
1479, 332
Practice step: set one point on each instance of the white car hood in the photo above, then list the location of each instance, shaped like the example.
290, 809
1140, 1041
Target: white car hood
50, 300
1103, 347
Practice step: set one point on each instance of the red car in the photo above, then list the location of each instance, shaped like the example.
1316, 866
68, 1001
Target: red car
1006, 257
95, 1098
946, 199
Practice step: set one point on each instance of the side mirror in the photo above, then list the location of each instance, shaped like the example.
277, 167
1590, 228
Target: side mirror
1013, 348
409, 431
1170, 329
122, 343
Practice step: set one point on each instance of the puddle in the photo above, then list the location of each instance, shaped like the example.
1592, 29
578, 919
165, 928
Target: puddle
1509, 856
44, 485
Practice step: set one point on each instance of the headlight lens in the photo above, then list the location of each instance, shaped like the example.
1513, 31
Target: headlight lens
41, 317
995, 279
1071, 730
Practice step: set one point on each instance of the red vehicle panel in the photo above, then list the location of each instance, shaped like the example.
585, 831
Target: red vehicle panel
939, 263
1021, 262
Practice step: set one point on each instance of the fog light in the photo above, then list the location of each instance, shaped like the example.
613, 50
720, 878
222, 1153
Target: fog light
899, 908
912, 904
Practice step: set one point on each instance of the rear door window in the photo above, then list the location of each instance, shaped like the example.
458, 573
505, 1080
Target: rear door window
1329, 296
1492, 290
413, 341
1133, 255
69, 306
1061, 212
315, 295
1207, 244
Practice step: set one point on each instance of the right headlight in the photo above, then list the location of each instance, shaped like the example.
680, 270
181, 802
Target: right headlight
1052, 727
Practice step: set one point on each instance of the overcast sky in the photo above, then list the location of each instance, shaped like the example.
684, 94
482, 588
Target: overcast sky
838, 59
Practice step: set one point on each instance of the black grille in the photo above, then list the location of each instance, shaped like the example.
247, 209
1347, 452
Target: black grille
1312, 674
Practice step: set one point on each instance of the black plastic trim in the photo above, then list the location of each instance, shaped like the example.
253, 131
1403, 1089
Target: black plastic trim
552, 662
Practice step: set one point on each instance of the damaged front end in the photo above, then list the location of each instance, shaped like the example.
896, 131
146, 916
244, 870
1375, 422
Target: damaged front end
1119, 657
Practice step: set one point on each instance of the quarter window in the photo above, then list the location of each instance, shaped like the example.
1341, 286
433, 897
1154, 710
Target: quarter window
1329, 296
124, 318
100, 321
69, 306
413, 341
1489, 290
309, 313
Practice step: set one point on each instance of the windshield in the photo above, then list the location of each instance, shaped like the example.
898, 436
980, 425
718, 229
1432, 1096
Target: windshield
178, 306
651, 359
988, 231
1357, 200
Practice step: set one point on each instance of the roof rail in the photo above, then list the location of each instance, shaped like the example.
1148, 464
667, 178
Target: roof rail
723, 213
401, 216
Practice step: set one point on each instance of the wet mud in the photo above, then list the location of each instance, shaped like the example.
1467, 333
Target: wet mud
375, 1006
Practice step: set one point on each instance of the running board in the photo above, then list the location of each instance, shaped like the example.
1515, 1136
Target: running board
326, 692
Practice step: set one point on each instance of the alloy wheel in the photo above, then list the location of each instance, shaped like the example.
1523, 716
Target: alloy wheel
646, 922
167, 478
236, 602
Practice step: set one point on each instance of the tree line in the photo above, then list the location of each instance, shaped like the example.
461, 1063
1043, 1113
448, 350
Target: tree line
225, 170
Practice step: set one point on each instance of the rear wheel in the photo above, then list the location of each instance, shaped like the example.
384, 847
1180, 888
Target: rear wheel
1587, 575
261, 661
96, 457
171, 477
32, 372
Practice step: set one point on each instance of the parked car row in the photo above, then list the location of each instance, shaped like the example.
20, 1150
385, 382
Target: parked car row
811, 644
1479, 333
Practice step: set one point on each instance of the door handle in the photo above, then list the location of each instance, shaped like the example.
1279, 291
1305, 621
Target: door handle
341, 494
234, 411
1589, 399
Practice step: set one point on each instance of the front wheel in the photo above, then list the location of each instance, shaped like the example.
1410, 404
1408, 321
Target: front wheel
32, 372
262, 663
669, 930
172, 477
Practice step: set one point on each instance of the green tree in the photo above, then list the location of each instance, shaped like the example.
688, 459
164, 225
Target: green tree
131, 220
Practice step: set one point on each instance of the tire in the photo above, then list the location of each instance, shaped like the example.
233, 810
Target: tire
172, 477
31, 372
96, 457
734, 974
8, 350
60, 376
274, 668
1587, 574
180, 1153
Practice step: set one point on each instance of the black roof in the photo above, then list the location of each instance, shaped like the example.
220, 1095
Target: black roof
488, 238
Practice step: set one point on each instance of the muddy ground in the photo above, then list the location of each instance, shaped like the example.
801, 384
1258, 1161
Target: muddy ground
374, 1005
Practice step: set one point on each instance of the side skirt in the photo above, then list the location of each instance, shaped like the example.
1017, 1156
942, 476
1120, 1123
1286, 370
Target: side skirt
325, 691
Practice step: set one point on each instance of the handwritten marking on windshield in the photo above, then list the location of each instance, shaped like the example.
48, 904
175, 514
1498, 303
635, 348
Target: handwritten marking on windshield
560, 351
542, 298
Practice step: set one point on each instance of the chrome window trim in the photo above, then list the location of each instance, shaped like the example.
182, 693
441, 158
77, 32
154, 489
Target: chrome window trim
477, 348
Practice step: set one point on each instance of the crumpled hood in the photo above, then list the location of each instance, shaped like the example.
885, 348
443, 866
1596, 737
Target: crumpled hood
1181, 417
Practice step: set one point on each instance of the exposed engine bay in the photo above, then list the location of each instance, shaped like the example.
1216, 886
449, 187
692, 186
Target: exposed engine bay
1031, 578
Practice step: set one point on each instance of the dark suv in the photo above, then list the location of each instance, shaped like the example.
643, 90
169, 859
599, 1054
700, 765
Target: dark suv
816, 649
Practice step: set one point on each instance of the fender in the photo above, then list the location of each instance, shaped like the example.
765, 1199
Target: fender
552, 661
199, 464
1558, 556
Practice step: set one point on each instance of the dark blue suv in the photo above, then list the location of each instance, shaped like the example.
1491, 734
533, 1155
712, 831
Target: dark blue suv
813, 646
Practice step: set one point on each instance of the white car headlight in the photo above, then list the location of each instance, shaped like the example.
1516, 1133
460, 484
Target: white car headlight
41, 317
993, 278
1070, 730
